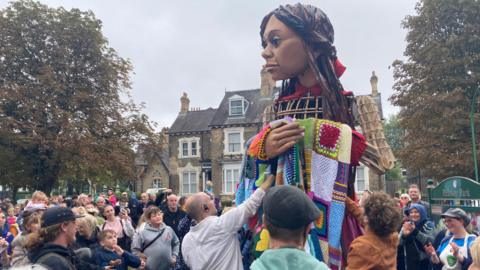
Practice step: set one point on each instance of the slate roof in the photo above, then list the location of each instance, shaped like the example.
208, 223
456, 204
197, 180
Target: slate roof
193, 121
254, 113
140, 159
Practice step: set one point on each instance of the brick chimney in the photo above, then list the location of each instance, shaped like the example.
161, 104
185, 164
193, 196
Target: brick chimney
374, 82
184, 103
267, 84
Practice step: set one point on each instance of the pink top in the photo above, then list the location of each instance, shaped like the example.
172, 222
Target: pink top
113, 200
11, 220
115, 226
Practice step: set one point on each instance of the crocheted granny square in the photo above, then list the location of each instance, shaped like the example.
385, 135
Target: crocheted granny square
321, 224
327, 134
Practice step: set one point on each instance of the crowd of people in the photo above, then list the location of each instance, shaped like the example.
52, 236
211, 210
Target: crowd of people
163, 231
94, 232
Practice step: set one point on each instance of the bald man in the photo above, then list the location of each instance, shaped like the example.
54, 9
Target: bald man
213, 242
172, 214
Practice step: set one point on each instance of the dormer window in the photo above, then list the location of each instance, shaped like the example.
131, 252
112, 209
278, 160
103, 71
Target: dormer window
237, 106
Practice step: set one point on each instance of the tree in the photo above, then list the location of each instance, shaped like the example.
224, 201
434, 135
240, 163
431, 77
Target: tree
394, 133
435, 86
65, 96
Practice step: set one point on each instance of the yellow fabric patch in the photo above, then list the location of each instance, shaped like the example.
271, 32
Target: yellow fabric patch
264, 241
345, 144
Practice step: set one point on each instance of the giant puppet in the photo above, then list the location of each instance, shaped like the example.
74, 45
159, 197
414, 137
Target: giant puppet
312, 143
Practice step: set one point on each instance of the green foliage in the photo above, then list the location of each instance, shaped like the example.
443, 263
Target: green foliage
394, 133
434, 87
62, 92
395, 173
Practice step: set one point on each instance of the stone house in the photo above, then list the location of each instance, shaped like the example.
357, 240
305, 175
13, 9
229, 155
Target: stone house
153, 173
209, 144
190, 147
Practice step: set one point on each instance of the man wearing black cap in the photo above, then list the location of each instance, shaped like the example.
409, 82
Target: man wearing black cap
287, 215
49, 246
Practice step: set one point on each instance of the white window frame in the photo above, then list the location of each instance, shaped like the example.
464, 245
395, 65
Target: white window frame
157, 182
189, 142
226, 132
244, 105
189, 169
365, 179
231, 168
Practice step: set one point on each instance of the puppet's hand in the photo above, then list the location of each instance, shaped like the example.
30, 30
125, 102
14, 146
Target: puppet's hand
283, 138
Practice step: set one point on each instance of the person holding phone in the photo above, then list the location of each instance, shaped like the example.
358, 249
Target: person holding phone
120, 224
416, 232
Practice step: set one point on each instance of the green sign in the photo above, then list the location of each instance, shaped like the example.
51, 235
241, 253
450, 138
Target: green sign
457, 187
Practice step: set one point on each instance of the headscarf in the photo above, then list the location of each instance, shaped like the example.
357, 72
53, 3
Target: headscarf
314, 27
421, 209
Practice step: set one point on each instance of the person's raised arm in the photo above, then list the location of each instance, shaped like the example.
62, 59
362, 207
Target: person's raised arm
235, 218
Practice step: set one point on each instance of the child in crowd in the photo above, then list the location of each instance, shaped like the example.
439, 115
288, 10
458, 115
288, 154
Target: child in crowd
156, 241
377, 248
31, 223
11, 219
112, 256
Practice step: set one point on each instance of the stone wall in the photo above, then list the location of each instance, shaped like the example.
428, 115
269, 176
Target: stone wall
219, 158
177, 163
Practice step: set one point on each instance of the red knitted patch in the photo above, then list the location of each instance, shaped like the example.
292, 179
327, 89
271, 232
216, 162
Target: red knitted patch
329, 136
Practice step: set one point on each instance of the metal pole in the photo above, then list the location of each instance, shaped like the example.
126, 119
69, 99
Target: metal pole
430, 185
472, 128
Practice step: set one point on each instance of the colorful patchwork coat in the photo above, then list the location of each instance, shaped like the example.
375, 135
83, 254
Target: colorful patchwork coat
320, 165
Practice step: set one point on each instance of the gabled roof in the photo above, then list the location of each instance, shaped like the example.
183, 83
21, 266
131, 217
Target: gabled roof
192, 121
256, 106
141, 161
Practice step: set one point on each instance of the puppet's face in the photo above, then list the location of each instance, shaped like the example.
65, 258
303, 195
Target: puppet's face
284, 51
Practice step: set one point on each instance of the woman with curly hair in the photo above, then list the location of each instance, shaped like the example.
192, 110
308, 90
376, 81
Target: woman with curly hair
377, 249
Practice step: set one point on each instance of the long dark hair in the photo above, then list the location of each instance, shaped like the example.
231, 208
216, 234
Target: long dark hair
313, 25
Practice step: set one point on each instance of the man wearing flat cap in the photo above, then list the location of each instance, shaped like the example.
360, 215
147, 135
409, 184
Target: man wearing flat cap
287, 214
49, 246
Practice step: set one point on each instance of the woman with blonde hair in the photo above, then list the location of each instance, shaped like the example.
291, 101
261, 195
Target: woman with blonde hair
475, 253
87, 232
404, 200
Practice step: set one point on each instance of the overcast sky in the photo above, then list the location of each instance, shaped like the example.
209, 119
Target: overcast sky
206, 47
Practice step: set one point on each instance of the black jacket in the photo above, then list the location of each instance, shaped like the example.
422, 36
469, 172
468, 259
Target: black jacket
411, 254
172, 219
56, 257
